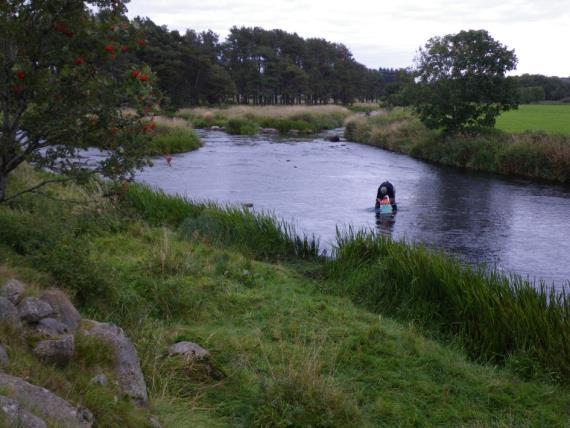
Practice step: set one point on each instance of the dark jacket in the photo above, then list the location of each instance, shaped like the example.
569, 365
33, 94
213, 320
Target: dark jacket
390, 191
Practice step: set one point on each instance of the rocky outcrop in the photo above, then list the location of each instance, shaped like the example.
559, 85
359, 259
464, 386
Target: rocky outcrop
64, 309
44, 403
127, 368
12, 290
50, 323
12, 413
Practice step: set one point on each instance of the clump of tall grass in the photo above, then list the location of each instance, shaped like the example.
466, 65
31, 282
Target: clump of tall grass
241, 127
259, 234
173, 135
495, 317
300, 392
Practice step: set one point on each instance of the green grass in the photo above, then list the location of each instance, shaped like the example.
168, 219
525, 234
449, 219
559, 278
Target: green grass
496, 318
171, 140
288, 349
552, 119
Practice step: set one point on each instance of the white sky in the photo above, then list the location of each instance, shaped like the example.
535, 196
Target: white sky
386, 33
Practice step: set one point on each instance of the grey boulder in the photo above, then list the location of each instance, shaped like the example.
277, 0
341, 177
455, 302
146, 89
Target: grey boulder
56, 351
64, 309
127, 368
52, 328
16, 416
8, 312
32, 310
12, 290
190, 350
4, 360
45, 404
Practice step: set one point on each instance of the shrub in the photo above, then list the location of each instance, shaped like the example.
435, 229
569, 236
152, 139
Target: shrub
241, 127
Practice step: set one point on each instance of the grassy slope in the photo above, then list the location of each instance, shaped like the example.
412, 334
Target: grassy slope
554, 119
293, 355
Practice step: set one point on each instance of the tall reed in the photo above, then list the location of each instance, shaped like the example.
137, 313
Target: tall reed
496, 317
259, 234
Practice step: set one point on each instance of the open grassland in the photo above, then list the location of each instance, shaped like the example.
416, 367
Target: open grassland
552, 119
249, 119
296, 340
530, 154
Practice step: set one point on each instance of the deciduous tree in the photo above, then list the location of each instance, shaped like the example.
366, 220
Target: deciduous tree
66, 75
461, 81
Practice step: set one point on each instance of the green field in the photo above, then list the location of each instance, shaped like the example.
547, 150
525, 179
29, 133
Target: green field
554, 119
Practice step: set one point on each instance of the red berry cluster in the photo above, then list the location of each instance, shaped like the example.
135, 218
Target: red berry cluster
61, 28
149, 127
138, 75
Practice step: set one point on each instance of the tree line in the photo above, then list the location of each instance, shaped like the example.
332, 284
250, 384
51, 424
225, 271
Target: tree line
257, 66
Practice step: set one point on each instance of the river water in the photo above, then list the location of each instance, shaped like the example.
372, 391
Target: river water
516, 225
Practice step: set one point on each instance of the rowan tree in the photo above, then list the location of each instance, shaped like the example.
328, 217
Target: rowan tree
67, 77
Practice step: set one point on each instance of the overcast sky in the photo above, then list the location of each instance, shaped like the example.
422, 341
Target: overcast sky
387, 33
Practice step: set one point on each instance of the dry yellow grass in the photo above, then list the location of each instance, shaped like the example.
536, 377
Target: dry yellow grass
174, 122
281, 112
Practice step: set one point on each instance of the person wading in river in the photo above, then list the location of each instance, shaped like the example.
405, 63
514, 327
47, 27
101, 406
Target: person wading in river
387, 189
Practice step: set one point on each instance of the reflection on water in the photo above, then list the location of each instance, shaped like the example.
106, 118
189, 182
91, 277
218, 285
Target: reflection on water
519, 226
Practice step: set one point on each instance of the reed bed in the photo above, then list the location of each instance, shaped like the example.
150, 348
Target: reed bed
497, 318
304, 119
260, 234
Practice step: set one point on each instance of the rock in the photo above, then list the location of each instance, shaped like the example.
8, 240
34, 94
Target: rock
56, 351
100, 379
12, 290
333, 138
12, 413
271, 131
293, 132
64, 309
127, 368
4, 360
52, 328
189, 349
247, 205
153, 422
215, 128
8, 312
45, 404
32, 310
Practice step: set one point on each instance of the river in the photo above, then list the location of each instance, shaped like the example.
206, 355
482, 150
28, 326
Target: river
516, 225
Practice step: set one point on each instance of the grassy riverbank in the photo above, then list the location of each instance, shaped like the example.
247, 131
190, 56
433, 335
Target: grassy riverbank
248, 120
299, 340
534, 155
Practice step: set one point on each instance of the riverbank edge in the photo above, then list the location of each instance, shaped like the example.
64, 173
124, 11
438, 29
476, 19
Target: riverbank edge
533, 155
147, 261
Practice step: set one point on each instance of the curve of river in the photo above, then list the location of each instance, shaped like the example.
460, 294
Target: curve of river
519, 226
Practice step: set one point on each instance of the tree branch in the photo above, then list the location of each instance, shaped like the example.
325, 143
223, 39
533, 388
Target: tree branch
34, 188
